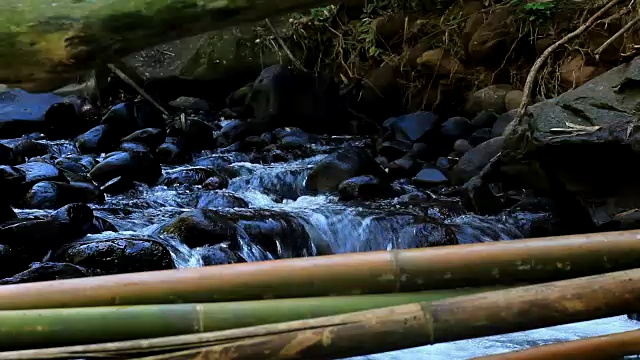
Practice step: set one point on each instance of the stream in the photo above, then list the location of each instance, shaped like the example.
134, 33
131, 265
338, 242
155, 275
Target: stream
332, 226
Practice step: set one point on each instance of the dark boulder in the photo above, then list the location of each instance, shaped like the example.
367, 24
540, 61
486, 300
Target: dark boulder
152, 137
220, 200
53, 195
472, 163
136, 166
117, 253
66, 224
339, 166
22, 112
100, 139
40, 171
127, 117
480, 136
202, 227
195, 175
365, 187
456, 128
484, 119
427, 233
218, 255
173, 152
48, 271
411, 128
430, 177
130, 146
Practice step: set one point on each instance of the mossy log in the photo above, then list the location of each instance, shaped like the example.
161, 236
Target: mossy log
45, 45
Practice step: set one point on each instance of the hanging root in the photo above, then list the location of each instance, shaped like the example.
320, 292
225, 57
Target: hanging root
533, 73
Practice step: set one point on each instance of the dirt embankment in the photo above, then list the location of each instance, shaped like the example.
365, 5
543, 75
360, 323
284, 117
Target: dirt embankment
433, 55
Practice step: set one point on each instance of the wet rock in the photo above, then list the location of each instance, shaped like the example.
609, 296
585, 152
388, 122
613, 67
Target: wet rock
130, 146
456, 128
62, 226
478, 196
502, 122
202, 227
136, 166
412, 127
101, 225
472, 163
40, 171
190, 103
152, 137
444, 164
187, 176
26, 148
118, 185
280, 234
293, 140
339, 166
462, 146
8, 156
218, 255
220, 200
404, 167
117, 254
365, 187
562, 162
490, 98
427, 233
480, 136
48, 271
173, 152
76, 164
394, 149
127, 117
100, 139
53, 195
216, 183
231, 132
484, 119
22, 112
430, 177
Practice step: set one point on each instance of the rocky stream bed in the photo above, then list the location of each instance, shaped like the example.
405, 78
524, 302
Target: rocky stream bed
90, 190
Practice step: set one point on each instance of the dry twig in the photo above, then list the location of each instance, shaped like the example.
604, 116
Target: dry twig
533, 73
133, 84
284, 46
615, 37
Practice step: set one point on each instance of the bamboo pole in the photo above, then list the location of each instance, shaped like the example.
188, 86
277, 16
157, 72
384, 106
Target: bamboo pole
473, 265
613, 346
45, 45
22, 329
390, 328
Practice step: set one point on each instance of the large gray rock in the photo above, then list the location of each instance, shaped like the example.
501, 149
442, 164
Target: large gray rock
472, 163
584, 145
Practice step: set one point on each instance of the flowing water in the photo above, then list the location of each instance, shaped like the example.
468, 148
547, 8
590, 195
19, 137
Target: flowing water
340, 227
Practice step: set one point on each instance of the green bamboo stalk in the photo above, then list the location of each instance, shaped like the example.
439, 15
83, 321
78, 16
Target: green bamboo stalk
474, 265
46, 44
57, 327
389, 328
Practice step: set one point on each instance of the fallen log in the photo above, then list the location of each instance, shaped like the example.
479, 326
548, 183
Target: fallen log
29, 329
45, 45
448, 267
613, 346
387, 329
